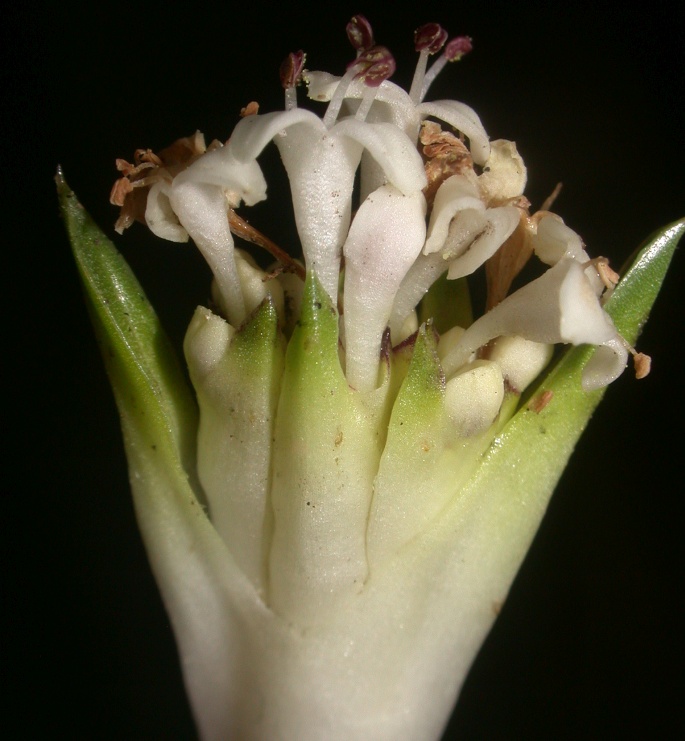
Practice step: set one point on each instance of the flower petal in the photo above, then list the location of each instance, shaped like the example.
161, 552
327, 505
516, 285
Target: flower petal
385, 238
241, 180
392, 149
521, 360
553, 241
160, 216
501, 222
253, 133
201, 209
606, 365
473, 397
560, 306
320, 85
455, 194
321, 168
423, 273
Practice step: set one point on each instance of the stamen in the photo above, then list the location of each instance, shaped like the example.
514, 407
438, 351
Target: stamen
606, 273
539, 402
367, 99
381, 65
373, 66
641, 361
549, 201
360, 33
291, 74
643, 364
338, 97
457, 48
251, 109
428, 39
603, 278
454, 51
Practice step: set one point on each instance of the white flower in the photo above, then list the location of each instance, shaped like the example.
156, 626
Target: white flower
368, 488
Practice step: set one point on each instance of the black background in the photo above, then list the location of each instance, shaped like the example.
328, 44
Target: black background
589, 643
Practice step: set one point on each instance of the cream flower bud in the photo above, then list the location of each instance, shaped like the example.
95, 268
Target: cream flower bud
504, 174
473, 397
521, 360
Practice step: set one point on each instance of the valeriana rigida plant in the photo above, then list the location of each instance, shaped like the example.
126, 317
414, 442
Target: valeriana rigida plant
334, 533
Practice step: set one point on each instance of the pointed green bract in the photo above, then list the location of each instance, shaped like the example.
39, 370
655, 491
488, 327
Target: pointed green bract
424, 385
237, 377
147, 379
413, 475
326, 451
631, 302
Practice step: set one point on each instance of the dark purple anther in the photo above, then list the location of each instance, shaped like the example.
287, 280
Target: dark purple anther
430, 37
360, 33
456, 48
374, 65
291, 69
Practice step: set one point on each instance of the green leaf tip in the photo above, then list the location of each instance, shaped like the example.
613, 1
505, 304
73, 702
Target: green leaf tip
258, 335
424, 378
312, 354
317, 310
418, 411
148, 383
632, 301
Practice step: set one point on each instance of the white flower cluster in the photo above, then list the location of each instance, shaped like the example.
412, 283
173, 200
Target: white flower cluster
427, 206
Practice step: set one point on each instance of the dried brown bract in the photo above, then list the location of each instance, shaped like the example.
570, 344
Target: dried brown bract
129, 192
510, 258
444, 155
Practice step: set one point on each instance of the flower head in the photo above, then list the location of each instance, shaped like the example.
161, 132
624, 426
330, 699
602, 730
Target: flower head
415, 221
361, 448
